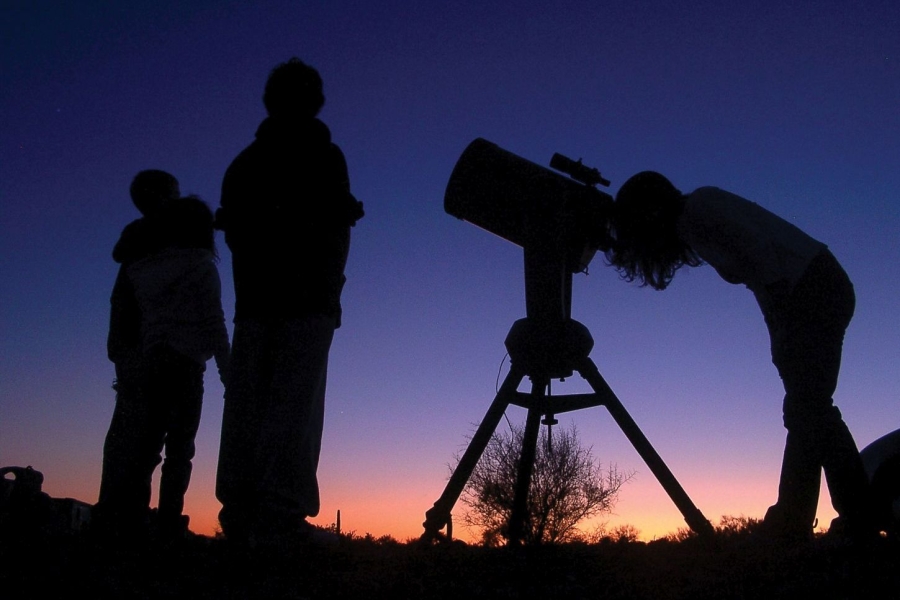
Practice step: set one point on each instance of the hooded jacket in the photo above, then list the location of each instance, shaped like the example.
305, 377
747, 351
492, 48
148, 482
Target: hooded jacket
178, 292
286, 210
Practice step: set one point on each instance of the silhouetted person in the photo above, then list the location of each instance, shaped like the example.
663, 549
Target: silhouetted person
807, 301
286, 212
881, 459
120, 508
178, 295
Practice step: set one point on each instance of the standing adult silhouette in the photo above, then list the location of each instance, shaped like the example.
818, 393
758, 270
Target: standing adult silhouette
286, 210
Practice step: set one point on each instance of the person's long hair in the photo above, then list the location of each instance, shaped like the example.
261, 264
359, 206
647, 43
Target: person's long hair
647, 248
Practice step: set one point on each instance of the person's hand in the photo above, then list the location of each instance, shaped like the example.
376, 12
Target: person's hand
223, 364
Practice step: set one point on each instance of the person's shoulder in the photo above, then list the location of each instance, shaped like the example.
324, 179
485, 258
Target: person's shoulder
248, 161
257, 144
173, 260
247, 153
711, 192
710, 196
133, 241
319, 130
135, 228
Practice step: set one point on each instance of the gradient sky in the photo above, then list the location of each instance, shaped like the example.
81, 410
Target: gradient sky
791, 104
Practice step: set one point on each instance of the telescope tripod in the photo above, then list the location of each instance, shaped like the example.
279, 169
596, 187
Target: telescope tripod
542, 352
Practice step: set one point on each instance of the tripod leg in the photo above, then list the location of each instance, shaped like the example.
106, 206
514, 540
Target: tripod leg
692, 515
439, 515
519, 513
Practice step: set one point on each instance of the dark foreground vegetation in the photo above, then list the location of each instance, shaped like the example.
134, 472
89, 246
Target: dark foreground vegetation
735, 564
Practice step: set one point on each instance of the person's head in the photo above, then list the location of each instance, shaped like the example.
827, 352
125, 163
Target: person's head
647, 247
151, 188
293, 90
189, 224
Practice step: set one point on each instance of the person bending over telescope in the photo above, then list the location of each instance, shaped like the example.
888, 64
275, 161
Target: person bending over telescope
807, 301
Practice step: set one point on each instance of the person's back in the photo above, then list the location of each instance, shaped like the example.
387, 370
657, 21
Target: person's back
746, 243
178, 290
286, 211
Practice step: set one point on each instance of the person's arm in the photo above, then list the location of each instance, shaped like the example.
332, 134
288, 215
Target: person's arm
124, 320
343, 208
223, 364
221, 344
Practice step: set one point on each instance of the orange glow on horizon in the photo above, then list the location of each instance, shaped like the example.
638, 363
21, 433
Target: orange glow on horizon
380, 507
387, 513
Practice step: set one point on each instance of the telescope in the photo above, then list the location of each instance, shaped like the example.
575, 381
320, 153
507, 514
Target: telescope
559, 221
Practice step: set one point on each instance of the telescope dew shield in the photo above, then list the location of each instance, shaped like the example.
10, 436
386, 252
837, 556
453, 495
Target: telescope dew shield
506, 194
527, 204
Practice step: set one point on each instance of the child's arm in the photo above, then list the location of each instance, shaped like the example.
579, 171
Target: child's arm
124, 320
222, 346
134, 243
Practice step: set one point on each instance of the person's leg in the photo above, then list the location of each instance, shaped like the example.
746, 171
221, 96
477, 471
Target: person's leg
806, 348
798, 488
845, 475
128, 457
246, 394
289, 448
809, 373
184, 402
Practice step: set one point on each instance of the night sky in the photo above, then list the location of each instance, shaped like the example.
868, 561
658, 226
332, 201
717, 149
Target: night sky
793, 105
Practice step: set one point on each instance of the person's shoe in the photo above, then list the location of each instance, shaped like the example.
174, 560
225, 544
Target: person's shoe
287, 539
171, 529
781, 530
846, 531
235, 529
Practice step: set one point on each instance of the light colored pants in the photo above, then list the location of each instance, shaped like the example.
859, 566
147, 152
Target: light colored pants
272, 424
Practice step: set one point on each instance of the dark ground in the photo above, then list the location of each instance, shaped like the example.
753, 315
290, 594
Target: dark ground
732, 565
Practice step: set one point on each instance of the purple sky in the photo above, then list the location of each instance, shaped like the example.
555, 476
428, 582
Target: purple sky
790, 104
